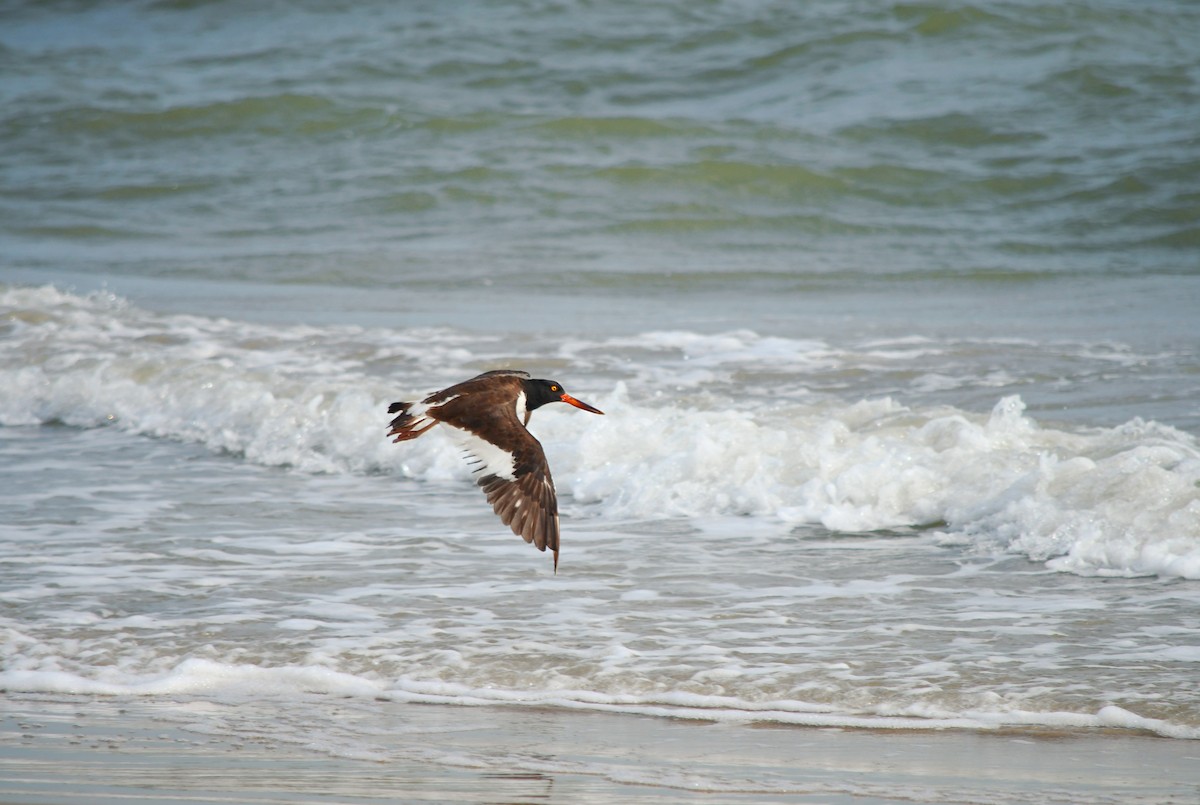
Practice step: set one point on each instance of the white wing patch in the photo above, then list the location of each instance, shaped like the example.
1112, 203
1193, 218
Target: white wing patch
522, 411
486, 458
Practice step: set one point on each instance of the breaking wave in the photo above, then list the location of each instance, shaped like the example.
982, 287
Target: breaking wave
1118, 501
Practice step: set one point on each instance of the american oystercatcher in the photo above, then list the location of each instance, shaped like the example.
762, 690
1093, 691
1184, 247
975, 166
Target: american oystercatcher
486, 416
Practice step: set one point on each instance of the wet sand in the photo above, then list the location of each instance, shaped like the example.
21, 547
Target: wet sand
60, 749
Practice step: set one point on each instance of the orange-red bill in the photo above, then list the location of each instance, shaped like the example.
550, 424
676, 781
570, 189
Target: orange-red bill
569, 400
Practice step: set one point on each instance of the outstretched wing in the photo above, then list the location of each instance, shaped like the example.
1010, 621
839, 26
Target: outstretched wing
516, 479
509, 463
527, 505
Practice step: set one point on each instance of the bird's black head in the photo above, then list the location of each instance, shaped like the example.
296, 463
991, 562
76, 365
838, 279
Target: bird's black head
540, 392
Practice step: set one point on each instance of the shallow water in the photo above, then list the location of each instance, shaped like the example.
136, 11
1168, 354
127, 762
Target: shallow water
891, 311
115, 749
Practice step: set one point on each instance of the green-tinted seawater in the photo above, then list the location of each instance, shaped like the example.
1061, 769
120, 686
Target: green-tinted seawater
855, 139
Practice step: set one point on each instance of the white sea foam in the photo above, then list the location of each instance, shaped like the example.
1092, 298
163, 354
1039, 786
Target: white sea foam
1105, 501
221, 681
194, 676
1121, 501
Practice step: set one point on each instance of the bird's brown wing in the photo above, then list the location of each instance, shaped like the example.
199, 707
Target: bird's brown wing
528, 505
510, 465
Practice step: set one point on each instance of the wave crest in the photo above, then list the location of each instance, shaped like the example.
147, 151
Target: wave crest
1104, 501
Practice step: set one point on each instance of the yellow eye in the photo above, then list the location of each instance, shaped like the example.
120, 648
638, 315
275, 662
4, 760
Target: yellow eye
554, 388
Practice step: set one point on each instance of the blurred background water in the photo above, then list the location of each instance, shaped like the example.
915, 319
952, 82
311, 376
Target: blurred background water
591, 148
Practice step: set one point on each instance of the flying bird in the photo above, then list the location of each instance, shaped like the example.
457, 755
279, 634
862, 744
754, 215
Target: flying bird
486, 416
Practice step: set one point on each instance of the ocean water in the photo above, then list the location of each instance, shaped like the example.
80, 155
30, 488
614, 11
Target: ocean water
892, 309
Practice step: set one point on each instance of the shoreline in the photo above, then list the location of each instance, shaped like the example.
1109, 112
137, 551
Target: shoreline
61, 749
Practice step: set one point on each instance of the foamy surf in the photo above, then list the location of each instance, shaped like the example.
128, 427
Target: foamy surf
234, 682
706, 425
208, 509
